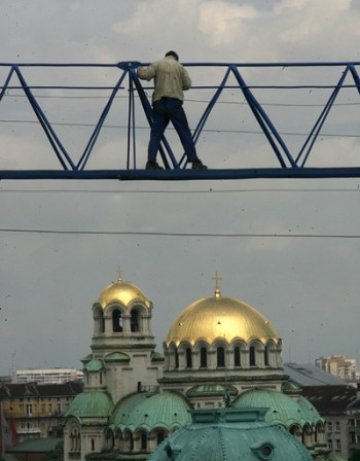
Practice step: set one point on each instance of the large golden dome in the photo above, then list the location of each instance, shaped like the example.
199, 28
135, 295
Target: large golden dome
123, 293
219, 317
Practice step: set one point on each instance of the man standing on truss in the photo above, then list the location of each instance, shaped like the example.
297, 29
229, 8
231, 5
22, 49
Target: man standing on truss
170, 79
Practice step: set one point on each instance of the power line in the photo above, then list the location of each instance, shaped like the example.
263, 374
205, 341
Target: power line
187, 191
202, 101
179, 234
205, 130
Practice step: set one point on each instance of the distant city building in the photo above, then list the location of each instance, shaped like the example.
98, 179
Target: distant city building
5, 379
48, 375
308, 374
32, 410
340, 406
340, 366
336, 400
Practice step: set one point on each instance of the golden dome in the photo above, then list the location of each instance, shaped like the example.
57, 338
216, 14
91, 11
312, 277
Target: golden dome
123, 293
219, 317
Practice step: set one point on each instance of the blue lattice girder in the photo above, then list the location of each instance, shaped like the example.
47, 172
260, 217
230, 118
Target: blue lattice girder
290, 164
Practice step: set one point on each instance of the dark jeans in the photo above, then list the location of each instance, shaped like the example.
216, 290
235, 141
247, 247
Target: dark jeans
164, 111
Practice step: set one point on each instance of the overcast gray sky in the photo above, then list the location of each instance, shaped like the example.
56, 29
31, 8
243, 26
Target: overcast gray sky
307, 286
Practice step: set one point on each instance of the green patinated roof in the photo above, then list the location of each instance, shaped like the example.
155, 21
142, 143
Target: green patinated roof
92, 404
311, 413
39, 445
155, 356
290, 388
87, 358
210, 389
148, 411
227, 437
120, 415
117, 357
282, 408
94, 365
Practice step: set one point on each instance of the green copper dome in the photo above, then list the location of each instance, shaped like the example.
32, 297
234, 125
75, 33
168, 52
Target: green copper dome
117, 357
92, 404
282, 409
310, 412
167, 410
121, 413
231, 435
94, 365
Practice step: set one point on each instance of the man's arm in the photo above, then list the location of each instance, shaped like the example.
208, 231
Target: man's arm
186, 80
146, 73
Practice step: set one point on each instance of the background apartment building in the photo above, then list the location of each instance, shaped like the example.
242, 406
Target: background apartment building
340, 366
48, 375
34, 410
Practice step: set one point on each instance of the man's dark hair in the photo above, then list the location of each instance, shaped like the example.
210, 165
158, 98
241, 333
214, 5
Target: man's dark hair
173, 54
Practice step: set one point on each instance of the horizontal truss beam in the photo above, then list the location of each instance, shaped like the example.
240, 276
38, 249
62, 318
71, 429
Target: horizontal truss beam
181, 175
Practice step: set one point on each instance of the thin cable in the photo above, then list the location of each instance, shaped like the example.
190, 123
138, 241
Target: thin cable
187, 191
178, 234
205, 130
202, 101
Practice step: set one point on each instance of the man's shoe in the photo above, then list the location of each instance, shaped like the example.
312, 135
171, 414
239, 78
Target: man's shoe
153, 166
198, 166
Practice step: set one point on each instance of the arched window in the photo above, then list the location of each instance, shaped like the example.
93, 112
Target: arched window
220, 355
72, 442
143, 441
134, 321
92, 444
237, 360
75, 440
117, 321
266, 356
307, 435
203, 357
131, 441
188, 358
252, 358
320, 433
109, 438
295, 430
112, 440
176, 358
160, 436
99, 320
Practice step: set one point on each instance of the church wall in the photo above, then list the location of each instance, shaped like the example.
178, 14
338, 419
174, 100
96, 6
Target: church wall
124, 379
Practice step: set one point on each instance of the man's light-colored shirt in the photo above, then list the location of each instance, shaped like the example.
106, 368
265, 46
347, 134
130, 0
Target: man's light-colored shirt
170, 78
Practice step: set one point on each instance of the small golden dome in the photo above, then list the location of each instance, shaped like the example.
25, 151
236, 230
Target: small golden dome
123, 293
219, 317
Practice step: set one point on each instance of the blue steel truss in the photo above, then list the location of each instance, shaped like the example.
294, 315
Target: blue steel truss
290, 165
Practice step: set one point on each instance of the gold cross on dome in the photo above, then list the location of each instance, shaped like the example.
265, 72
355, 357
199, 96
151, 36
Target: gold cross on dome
217, 279
119, 271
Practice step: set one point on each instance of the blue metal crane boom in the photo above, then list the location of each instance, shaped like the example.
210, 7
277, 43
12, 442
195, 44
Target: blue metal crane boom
288, 164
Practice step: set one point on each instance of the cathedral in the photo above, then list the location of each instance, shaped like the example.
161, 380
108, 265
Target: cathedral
219, 354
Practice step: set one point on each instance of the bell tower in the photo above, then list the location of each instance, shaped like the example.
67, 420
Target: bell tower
123, 341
